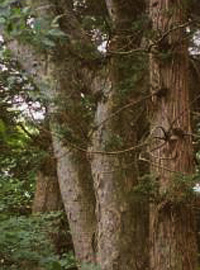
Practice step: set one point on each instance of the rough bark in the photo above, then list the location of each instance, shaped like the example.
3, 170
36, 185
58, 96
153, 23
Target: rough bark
121, 218
72, 166
54, 70
47, 195
172, 232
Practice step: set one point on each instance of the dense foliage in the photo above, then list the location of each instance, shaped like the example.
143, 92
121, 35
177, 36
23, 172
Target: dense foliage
26, 241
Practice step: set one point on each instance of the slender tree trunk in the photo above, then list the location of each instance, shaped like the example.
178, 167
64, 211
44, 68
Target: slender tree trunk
122, 219
172, 231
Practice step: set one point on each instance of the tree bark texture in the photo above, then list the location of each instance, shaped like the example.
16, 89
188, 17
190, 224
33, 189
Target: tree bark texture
122, 218
172, 231
47, 195
72, 166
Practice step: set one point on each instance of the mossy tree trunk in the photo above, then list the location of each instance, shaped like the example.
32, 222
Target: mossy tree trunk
172, 232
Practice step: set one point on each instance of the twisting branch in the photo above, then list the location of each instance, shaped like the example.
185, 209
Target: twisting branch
153, 43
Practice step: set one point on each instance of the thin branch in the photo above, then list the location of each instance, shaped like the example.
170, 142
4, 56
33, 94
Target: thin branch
137, 50
158, 166
26, 131
169, 31
119, 111
153, 43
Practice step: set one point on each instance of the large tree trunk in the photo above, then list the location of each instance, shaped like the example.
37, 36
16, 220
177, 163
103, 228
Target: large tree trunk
172, 231
73, 171
122, 219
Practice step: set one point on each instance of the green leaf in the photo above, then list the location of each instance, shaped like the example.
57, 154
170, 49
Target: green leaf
56, 33
37, 25
2, 20
26, 10
56, 266
48, 42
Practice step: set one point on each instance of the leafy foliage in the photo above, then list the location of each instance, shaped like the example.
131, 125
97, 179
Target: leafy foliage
21, 22
181, 189
25, 243
16, 196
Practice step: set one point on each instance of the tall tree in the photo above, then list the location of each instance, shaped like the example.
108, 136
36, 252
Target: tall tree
171, 219
121, 219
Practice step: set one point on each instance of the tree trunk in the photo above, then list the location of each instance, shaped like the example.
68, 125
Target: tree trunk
73, 173
69, 129
47, 195
172, 232
122, 217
